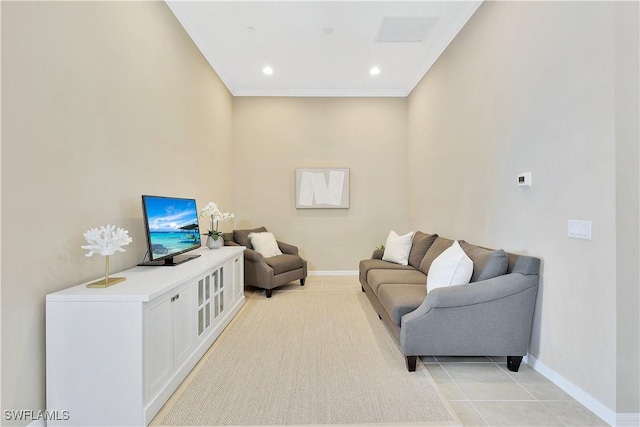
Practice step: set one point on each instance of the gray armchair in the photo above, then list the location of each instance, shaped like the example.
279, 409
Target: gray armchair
268, 273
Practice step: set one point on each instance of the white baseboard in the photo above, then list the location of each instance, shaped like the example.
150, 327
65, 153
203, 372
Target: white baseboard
333, 273
586, 399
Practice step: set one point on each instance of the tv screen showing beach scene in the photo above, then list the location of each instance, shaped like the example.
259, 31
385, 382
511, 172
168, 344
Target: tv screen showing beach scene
172, 225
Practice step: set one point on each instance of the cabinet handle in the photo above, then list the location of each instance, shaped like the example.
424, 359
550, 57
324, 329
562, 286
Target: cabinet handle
175, 297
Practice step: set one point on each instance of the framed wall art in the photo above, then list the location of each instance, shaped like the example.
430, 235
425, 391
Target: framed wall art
322, 188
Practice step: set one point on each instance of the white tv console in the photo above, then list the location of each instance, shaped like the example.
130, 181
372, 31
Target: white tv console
115, 355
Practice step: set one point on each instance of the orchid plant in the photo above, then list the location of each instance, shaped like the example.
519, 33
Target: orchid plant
212, 212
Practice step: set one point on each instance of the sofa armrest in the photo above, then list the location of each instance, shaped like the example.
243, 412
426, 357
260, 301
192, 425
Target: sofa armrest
286, 248
256, 271
230, 243
479, 292
377, 254
253, 255
492, 317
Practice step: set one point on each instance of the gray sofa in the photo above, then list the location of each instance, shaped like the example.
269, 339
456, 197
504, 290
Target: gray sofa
491, 316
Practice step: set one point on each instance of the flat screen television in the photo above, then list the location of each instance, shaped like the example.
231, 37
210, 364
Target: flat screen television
172, 228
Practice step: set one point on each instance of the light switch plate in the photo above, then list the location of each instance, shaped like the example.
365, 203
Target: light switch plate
579, 229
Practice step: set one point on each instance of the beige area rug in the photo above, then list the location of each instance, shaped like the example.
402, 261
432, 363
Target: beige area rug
316, 354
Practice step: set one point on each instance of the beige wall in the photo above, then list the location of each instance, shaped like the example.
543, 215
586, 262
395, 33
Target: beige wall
531, 87
274, 136
627, 50
101, 102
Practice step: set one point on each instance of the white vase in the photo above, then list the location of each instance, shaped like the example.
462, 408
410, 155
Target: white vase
214, 244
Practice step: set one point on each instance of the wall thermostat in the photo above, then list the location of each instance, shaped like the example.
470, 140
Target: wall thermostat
524, 179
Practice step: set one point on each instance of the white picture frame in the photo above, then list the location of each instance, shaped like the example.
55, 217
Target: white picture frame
322, 188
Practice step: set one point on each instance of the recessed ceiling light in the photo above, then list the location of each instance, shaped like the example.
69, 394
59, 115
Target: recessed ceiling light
251, 29
374, 71
267, 70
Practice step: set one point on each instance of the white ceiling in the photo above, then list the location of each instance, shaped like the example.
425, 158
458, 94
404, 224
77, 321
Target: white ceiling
322, 48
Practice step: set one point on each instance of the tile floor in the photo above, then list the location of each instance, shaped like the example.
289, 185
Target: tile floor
483, 392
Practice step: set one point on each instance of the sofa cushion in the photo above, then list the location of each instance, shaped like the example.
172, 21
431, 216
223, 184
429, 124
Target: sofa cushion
487, 263
421, 243
242, 236
377, 264
283, 263
375, 278
397, 248
438, 246
400, 299
265, 243
451, 268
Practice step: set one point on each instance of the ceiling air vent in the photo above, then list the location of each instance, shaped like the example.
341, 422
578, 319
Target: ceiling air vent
405, 29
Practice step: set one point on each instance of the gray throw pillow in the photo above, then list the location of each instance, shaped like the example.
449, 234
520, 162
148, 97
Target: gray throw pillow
419, 247
242, 236
487, 263
439, 245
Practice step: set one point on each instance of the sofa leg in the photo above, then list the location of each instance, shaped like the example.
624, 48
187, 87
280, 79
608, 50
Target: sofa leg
411, 363
269, 292
513, 363
302, 281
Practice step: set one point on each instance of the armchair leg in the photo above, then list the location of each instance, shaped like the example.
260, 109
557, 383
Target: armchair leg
269, 292
411, 363
302, 281
513, 363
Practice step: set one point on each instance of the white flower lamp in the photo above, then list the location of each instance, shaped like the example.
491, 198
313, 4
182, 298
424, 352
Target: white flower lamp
106, 241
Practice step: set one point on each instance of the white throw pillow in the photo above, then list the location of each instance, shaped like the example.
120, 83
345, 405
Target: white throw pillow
265, 243
397, 248
452, 267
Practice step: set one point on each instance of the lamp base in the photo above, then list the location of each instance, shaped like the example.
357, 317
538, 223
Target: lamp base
105, 283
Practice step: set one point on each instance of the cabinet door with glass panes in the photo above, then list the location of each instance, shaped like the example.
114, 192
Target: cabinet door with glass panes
211, 291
